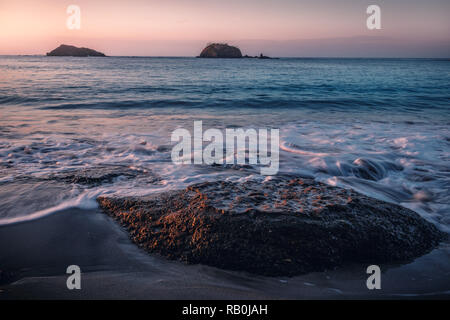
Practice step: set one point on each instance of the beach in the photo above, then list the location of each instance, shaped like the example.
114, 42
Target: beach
76, 129
113, 268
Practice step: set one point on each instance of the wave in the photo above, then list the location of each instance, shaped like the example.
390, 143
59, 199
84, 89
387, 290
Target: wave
124, 104
261, 102
16, 99
85, 200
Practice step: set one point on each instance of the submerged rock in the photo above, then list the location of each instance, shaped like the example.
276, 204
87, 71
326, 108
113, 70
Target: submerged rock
281, 226
98, 175
220, 50
72, 51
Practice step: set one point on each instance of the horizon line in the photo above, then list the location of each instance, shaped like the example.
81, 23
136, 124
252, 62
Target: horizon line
279, 57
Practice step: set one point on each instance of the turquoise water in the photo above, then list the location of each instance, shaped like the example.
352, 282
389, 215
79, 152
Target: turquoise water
379, 126
356, 85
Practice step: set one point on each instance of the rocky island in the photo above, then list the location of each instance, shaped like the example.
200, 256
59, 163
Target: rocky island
72, 51
224, 50
279, 227
220, 50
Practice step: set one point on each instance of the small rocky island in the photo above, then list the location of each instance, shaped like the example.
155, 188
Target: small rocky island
224, 50
279, 227
72, 51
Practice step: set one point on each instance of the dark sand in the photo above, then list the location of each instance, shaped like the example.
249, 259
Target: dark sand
38, 252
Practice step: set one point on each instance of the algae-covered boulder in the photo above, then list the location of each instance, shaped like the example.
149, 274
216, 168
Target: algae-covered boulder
278, 227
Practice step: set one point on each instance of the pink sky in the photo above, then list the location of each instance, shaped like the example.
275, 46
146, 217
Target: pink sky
183, 27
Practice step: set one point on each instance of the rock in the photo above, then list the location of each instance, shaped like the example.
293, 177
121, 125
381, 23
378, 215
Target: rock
72, 51
220, 50
261, 56
280, 227
98, 175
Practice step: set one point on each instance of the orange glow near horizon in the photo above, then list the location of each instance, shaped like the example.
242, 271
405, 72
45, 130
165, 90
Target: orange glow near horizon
181, 27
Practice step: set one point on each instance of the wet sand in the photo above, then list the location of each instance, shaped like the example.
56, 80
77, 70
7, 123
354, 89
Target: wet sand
38, 252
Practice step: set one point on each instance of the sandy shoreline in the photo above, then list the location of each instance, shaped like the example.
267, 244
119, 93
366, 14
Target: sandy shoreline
38, 252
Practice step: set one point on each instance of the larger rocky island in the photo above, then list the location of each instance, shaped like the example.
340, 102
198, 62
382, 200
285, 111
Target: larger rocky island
224, 50
220, 50
282, 226
72, 51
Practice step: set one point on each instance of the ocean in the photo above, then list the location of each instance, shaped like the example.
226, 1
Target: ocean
379, 126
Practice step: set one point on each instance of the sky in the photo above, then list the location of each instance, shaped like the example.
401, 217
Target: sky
292, 28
